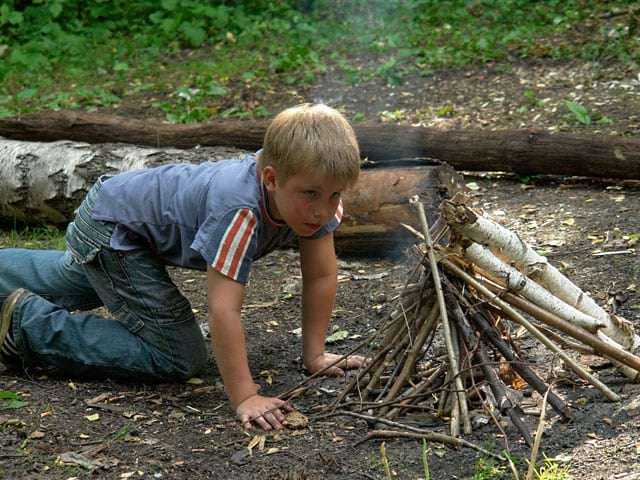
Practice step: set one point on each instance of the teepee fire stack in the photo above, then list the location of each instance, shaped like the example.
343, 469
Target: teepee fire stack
450, 347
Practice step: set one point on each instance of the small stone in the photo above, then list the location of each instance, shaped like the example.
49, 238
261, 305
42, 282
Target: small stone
296, 420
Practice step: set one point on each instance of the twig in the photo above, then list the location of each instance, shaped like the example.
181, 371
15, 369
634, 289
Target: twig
498, 389
606, 349
453, 361
538, 440
520, 320
409, 364
525, 372
289, 391
431, 437
415, 392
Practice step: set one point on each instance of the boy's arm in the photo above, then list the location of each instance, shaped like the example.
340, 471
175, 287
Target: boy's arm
319, 283
227, 335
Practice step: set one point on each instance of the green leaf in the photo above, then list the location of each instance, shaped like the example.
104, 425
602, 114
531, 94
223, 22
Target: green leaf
121, 67
216, 90
194, 34
26, 94
337, 336
13, 402
56, 9
169, 4
581, 113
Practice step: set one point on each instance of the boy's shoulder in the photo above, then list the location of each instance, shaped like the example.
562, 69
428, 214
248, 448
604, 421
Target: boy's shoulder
235, 182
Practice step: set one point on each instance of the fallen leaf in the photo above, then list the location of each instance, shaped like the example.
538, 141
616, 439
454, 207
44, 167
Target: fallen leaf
72, 386
36, 435
100, 398
473, 186
93, 418
195, 381
569, 221
256, 441
72, 458
266, 374
338, 336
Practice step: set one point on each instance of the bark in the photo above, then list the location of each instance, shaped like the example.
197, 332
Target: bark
521, 151
45, 183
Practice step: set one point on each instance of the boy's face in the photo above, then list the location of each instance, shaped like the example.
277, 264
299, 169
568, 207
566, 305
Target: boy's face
304, 202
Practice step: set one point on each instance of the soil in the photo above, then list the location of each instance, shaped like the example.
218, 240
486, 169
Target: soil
187, 431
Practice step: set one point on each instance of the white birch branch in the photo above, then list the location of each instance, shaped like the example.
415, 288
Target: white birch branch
506, 243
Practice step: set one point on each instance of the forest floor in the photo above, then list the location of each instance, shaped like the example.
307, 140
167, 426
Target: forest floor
74, 428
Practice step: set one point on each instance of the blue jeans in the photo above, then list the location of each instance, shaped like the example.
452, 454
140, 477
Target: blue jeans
154, 335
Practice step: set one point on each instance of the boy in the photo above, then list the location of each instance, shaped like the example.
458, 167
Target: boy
218, 216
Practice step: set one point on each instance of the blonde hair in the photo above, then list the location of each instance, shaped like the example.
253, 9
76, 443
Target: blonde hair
311, 139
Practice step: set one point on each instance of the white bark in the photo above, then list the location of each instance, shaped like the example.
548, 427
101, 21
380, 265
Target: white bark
38, 178
519, 283
507, 244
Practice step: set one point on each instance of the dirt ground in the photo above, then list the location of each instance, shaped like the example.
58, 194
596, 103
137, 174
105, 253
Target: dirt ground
74, 428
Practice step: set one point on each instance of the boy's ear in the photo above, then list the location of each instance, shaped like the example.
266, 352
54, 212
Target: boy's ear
269, 178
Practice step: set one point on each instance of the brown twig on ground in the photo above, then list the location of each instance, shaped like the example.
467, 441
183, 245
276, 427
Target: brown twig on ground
431, 437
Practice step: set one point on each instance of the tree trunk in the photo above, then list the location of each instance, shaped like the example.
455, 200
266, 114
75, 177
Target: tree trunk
521, 151
45, 183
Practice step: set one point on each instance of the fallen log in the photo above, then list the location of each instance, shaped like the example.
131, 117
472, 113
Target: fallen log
523, 151
45, 182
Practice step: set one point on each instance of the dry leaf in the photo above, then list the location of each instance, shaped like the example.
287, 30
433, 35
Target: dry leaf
257, 440
93, 418
569, 221
266, 374
195, 381
36, 435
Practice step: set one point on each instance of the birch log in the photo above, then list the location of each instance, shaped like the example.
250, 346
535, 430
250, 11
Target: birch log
45, 183
508, 244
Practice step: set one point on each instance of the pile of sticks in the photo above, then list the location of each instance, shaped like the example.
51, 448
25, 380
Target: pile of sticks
450, 345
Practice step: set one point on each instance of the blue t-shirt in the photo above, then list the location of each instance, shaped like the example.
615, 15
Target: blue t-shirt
194, 215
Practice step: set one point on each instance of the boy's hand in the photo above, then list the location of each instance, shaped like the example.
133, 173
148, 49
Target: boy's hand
336, 363
266, 412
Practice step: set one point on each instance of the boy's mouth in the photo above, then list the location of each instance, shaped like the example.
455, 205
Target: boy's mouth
313, 226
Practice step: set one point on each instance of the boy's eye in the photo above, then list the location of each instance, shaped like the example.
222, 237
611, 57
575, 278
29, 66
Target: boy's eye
335, 195
311, 194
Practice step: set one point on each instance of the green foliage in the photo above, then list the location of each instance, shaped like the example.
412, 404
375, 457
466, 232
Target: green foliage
425, 462
40, 237
580, 113
93, 53
486, 468
12, 400
552, 470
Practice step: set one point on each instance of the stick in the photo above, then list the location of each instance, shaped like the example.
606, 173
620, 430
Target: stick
506, 243
415, 392
504, 404
453, 362
430, 437
604, 348
409, 363
520, 320
536, 445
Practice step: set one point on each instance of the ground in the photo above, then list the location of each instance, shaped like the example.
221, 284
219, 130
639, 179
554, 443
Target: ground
187, 431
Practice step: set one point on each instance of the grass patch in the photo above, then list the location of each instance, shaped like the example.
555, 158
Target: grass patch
42, 237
